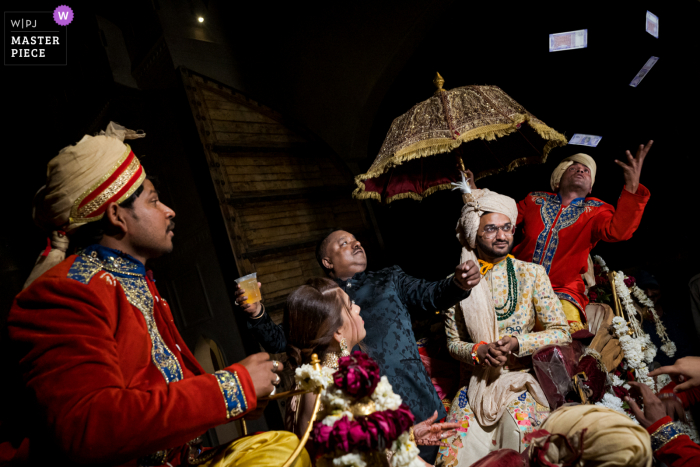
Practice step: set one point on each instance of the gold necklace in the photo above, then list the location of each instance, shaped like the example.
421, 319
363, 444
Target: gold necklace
330, 360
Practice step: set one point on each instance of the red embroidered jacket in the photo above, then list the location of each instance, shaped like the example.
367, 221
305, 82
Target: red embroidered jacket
671, 446
560, 238
104, 376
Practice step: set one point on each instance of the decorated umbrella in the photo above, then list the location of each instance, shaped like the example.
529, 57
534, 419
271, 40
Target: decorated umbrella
438, 127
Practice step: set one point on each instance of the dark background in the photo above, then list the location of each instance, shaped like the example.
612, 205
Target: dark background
346, 70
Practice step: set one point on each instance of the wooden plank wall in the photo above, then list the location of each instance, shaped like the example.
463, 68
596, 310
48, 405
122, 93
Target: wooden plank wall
279, 190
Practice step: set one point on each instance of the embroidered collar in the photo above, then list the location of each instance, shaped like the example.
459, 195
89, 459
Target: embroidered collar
114, 261
577, 202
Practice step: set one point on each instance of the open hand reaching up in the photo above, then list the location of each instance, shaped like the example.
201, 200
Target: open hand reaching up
633, 168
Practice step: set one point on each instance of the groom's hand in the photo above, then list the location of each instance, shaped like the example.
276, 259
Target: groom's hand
467, 275
491, 355
508, 345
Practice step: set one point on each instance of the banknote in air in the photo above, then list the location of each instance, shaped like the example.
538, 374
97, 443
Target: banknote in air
643, 72
568, 40
585, 140
652, 24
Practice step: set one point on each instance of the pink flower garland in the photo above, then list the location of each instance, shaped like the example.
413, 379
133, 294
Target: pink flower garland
357, 375
365, 433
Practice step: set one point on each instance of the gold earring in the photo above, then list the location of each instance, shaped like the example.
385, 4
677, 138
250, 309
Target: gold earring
344, 352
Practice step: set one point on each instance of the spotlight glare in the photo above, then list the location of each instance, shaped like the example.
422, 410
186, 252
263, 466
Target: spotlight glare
200, 19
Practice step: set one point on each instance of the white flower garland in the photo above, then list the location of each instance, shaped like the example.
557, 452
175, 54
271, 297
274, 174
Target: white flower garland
384, 397
617, 381
650, 348
668, 346
349, 460
632, 349
662, 381
336, 405
405, 452
602, 264
623, 293
611, 401
689, 428
309, 379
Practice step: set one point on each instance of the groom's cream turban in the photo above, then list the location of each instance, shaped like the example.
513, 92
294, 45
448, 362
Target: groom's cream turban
581, 158
603, 436
81, 181
476, 204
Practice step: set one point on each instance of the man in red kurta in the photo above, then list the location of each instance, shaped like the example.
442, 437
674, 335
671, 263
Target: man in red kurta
561, 228
100, 373
671, 446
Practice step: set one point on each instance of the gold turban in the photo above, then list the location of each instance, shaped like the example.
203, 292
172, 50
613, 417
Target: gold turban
80, 182
611, 439
581, 158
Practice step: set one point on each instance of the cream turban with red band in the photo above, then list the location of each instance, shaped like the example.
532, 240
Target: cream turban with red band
81, 181
581, 158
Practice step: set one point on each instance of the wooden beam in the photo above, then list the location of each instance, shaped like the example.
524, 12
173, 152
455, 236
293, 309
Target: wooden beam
274, 195
279, 249
292, 147
250, 254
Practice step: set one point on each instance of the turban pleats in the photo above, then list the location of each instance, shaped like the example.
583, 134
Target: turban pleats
81, 181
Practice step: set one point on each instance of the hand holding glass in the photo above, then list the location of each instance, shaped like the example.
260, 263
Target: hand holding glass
249, 284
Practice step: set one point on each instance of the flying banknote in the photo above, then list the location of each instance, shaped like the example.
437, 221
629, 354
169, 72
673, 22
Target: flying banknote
585, 140
568, 40
643, 72
652, 24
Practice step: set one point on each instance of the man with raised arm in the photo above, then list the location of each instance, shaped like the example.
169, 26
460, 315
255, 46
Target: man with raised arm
387, 298
561, 228
98, 373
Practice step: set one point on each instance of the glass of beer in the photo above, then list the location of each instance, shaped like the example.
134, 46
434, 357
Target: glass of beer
249, 284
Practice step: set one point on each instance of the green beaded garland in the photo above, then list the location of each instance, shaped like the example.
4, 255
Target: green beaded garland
512, 301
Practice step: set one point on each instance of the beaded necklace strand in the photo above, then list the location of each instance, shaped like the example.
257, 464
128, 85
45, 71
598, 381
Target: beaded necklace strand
512, 300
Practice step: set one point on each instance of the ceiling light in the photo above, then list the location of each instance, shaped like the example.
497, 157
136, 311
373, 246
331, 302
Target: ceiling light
200, 19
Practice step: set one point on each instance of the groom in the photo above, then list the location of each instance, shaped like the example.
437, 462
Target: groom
491, 333
388, 299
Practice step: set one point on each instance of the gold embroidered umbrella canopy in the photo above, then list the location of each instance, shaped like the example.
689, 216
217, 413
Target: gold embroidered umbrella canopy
424, 150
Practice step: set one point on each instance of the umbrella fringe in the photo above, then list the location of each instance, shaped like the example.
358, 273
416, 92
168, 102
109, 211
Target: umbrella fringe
360, 193
488, 133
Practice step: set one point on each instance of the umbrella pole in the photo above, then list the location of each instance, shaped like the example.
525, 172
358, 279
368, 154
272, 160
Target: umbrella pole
460, 163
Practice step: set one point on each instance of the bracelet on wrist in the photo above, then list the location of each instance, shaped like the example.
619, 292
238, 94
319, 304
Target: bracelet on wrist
259, 315
475, 356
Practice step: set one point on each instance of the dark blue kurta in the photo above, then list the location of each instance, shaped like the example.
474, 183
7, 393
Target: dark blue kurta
386, 297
